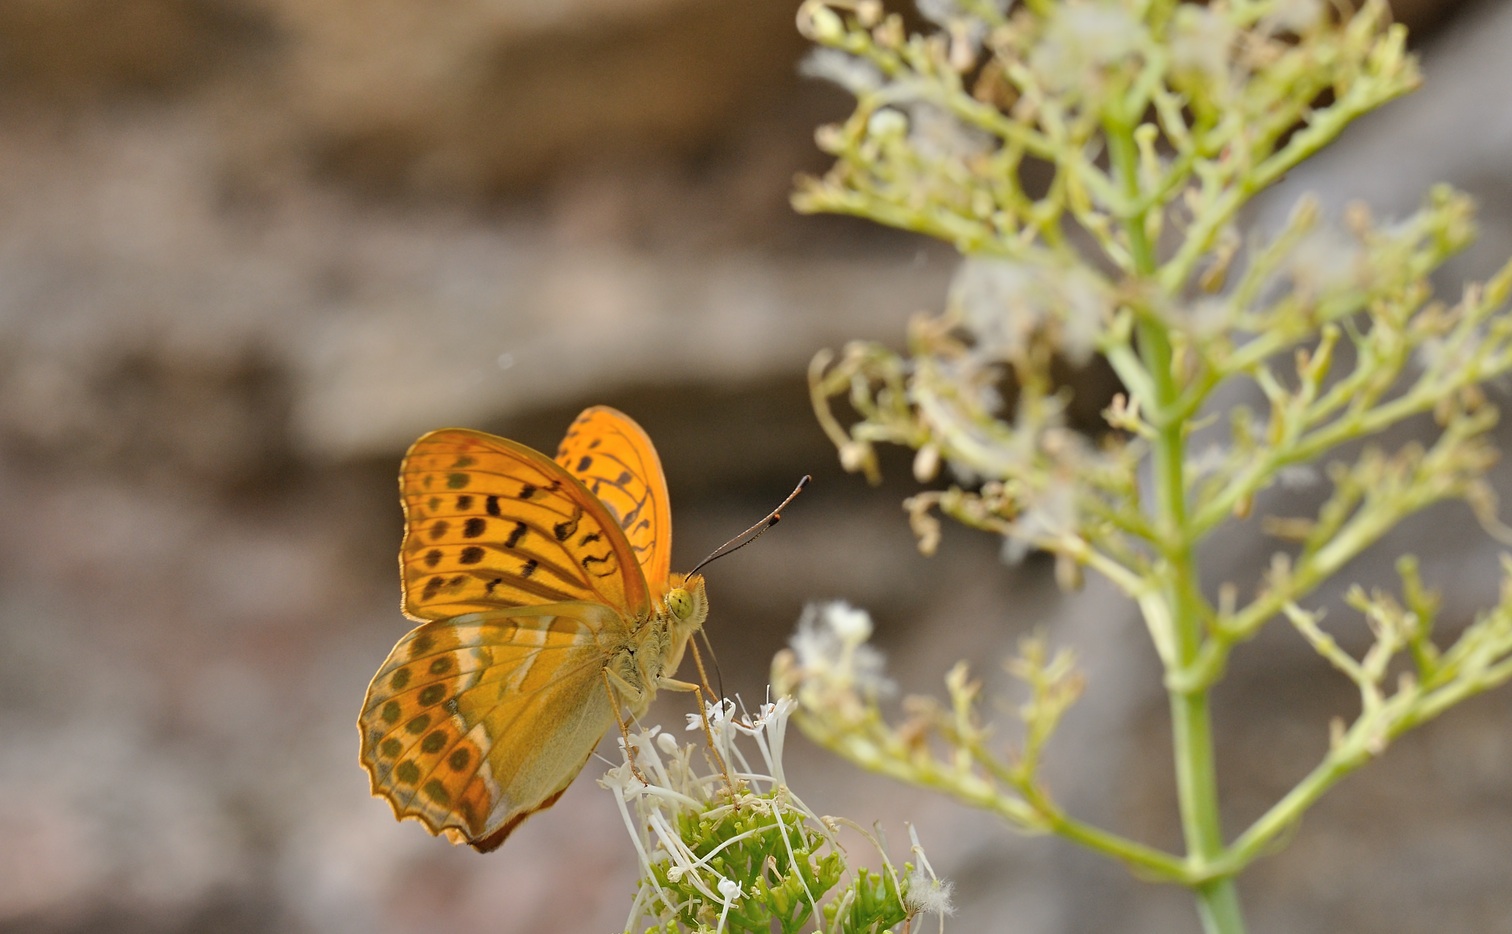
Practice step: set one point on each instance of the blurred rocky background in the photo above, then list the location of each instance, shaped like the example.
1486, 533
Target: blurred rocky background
249, 249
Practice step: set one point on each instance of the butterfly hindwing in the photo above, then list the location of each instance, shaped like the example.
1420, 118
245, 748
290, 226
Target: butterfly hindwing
615, 460
472, 724
491, 524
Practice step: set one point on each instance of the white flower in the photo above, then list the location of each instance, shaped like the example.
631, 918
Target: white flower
1323, 260
939, 134
1202, 41
1206, 317
924, 891
928, 895
1051, 514
1081, 40
1294, 16
887, 122
1208, 461
967, 30
729, 890
830, 645
944, 12
989, 294
716, 714
851, 73
1003, 303
850, 624
1297, 476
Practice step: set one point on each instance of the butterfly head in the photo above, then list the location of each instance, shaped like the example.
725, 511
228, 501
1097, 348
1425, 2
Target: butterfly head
687, 603
687, 606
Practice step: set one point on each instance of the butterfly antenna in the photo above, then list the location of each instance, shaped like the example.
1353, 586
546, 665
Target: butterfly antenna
754, 532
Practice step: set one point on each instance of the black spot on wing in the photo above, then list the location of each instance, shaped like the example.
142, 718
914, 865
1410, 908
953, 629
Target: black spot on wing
516, 535
591, 564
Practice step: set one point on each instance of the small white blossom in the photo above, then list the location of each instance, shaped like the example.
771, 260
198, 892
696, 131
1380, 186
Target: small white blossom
851, 73
1294, 16
716, 714
928, 895
1049, 515
989, 294
1202, 40
729, 890
1297, 476
647, 758
830, 646
1004, 302
1437, 354
850, 624
1323, 260
945, 12
886, 123
939, 134
967, 30
1209, 460
775, 712
1081, 40
1207, 317
925, 892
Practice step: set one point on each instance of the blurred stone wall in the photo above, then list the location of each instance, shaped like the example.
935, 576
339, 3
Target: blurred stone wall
251, 248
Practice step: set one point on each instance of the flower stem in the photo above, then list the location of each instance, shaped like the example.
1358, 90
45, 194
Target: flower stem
1191, 720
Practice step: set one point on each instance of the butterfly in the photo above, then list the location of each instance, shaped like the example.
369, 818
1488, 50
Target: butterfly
547, 605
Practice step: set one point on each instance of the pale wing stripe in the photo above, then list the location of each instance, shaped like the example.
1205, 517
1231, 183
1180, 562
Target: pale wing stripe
473, 641
529, 704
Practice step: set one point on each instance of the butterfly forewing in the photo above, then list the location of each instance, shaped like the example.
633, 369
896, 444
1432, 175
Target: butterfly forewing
491, 524
615, 460
472, 724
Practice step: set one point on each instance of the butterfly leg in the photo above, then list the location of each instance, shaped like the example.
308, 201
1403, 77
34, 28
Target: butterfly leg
703, 718
614, 704
703, 676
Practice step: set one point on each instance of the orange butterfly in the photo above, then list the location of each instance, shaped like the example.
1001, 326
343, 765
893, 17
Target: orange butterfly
546, 601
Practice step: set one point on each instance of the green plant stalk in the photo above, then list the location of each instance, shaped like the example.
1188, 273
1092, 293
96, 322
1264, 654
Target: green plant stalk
1191, 717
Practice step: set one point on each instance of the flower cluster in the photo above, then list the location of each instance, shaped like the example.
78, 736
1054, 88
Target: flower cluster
725, 844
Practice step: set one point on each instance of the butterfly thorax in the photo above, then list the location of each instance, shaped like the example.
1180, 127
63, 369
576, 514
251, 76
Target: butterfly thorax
655, 644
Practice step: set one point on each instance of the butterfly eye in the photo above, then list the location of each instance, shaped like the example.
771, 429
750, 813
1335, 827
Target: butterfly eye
680, 602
